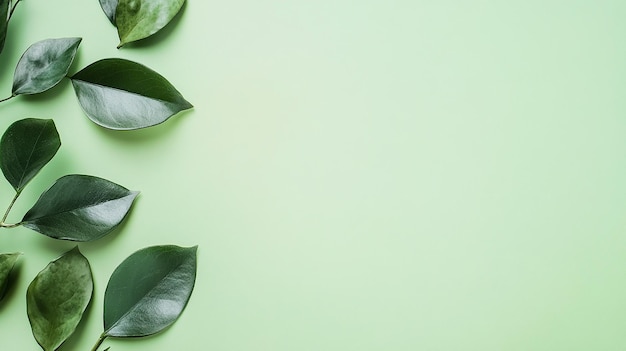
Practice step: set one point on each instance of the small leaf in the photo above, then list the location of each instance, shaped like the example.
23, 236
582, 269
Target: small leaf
7, 262
79, 208
139, 19
109, 6
121, 94
43, 65
57, 298
26, 146
149, 290
4, 21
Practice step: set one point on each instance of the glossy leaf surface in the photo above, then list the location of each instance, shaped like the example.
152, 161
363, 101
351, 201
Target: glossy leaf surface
109, 6
79, 208
139, 19
57, 298
149, 290
25, 148
121, 94
44, 64
4, 21
7, 262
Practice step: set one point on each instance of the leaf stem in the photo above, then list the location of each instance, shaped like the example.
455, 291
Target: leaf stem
99, 342
13, 9
8, 98
6, 213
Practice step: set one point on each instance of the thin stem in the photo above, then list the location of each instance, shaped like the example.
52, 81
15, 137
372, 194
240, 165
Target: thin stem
6, 214
8, 98
13, 9
99, 342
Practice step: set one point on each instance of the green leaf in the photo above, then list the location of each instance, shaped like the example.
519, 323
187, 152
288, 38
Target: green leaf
149, 290
139, 19
121, 94
7, 262
57, 298
4, 21
43, 65
79, 208
26, 146
109, 6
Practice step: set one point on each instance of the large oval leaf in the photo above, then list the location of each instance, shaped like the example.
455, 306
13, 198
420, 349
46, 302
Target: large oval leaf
79, 208
121, 94
7, 262
139, 19
4, 21
149, 290
26, 146
43, 65
57, 298
109, 6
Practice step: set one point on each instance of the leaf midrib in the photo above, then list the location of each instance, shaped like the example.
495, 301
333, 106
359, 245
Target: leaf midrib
131, 193
136, 304
30, 156
129, 92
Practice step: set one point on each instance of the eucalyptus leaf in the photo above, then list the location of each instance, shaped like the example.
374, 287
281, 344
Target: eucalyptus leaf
79, 208
4, 21
44, 64
57, 298
109, 6
25, 148
139, 19
122, 94
7, 262
149, 290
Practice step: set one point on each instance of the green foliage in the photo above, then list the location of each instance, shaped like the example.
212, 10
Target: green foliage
109, 6
25, 147
4, 21
150, 289
121, 94
43, 65
57, 298
79, 208
139, 19
7, 262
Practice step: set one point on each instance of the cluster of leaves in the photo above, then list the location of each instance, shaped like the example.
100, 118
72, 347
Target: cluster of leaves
114, 93
145, 294
149, 290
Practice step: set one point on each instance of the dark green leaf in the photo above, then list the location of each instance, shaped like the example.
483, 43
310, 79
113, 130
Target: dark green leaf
109, 6
121, 94
79, 208
139, 19
57, 298
149, 290
7, 262
43, 65
4, 21
26, 146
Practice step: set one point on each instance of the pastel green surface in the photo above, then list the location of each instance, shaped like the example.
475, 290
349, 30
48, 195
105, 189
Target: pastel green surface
381, 175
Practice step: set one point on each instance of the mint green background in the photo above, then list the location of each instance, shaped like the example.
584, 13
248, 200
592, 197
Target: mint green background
359, 175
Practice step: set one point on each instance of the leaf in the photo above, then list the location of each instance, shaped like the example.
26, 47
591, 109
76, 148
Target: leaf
79, 208
109, 6
7, 262
25, 148
149, 290
4, 21
57, 298
43, 65
139, 19
121, 94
